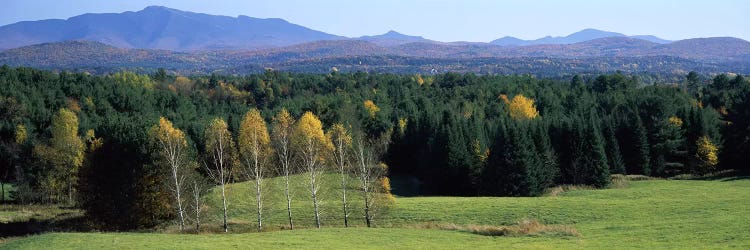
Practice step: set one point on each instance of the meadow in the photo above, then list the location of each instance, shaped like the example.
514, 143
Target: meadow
639, 214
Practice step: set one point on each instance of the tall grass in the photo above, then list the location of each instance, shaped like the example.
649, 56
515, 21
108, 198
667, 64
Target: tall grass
525, 227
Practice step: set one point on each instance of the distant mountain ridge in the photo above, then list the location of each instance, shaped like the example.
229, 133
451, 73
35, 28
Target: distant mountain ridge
580, 36
160, 37
356, 55
393, 38
157, 27
70, 53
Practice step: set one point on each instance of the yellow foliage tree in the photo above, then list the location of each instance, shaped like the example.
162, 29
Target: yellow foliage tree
418, 78
219, 146
68, 147
172, 147
255, 148
127, 77
522, 108
402, 122
342, 142
283, 129
675, 121
183, 85
312, 144
371, 108
93, 142
21, 134
707, 154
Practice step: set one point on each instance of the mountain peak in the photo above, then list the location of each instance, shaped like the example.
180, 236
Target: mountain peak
397, 35
158, 8
589, 34
393, 38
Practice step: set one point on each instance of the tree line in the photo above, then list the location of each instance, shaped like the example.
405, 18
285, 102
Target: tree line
446, 134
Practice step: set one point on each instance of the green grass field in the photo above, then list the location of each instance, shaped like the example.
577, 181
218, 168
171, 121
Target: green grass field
647, 214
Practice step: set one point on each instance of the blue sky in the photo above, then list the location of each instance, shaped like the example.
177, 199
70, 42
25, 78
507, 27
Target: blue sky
445, 20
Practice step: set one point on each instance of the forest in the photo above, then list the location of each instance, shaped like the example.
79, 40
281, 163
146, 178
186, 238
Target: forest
106, 142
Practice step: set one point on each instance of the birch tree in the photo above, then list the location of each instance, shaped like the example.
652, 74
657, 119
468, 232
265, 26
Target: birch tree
342, 141
172, 147
283, 128
219, 146
255, 148
68, 147
370, 174
199, 187
312, 144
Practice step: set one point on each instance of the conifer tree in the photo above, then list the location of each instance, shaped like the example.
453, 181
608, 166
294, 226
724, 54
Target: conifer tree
547, 169
494, 169
598, 169
642, 148
614, 157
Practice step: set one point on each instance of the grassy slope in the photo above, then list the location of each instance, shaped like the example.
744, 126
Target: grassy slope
242, 204
650, 214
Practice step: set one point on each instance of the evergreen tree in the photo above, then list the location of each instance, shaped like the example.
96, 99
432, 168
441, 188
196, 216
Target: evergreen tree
633, 139
614, 157
737, 152
547, 168
514, 163
494, 168
596, 159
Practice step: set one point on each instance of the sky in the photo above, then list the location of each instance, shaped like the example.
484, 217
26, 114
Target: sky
444, 20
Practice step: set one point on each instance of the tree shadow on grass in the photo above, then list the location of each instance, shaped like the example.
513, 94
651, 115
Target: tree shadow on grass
736, 178
61, 223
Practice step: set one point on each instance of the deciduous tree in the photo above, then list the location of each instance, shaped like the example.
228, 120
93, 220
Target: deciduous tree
369, 173
342, 141
68, 147
312, 145
283, 129
522, 108
220, 146
706, 154
172, 148
255, 150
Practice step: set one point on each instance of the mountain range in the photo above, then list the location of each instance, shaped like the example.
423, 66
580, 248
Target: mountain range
157, 27
580, 36
187, 42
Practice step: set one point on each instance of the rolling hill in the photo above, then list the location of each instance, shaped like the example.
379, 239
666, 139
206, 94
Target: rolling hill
708, 55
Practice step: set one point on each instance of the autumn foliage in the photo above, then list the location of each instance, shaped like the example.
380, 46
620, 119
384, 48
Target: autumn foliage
522, 108
707, 155
371, 108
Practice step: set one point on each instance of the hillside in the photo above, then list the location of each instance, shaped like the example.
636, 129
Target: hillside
599, 55
681, 214
157, 27
711, 49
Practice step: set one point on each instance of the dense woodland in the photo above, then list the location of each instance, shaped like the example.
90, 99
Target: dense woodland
90, 140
